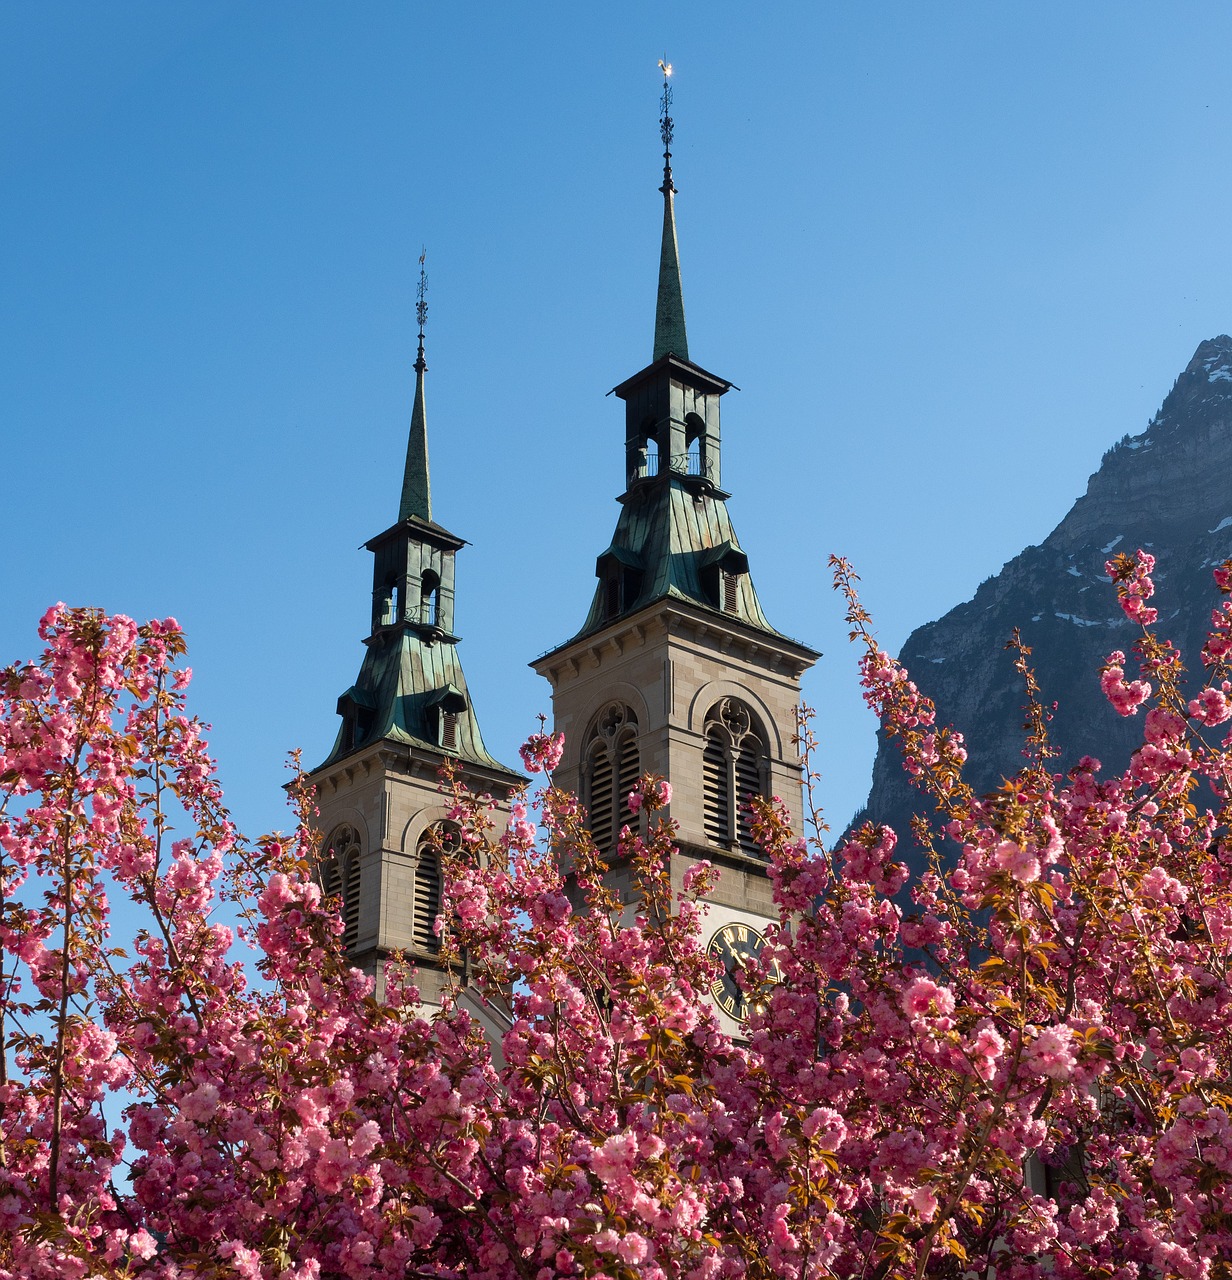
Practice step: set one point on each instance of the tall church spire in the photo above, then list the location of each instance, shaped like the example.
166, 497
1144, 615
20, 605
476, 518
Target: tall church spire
416, 484
670, 333
381, 812
676, 670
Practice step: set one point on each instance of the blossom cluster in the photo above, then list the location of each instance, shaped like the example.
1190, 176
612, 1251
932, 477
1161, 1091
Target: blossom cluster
1014, 1064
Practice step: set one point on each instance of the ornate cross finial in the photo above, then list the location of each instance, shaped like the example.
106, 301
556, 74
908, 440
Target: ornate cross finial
421, 303
669, 309
665, 107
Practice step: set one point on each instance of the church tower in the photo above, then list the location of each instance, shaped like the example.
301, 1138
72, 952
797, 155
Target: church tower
382, 815
676, 670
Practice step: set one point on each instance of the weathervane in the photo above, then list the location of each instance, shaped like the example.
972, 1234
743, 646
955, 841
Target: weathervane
666, 125
421, 306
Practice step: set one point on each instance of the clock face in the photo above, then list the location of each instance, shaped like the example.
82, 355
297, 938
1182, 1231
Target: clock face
732, 946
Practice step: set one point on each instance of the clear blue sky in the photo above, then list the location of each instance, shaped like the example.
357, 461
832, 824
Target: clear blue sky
950, 252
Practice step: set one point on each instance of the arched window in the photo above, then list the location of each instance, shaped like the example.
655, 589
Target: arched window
331, 878
612, 766
734, 768
716, 794
440, 838
643, 452
628, 770
600, 793
694, 443
340, 878
430, 599
385, 605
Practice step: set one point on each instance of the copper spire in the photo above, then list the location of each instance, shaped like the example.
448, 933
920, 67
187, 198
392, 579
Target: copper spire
670, 335
416, 485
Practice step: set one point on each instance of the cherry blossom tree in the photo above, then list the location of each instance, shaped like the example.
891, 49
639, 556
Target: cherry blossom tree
1016, 1064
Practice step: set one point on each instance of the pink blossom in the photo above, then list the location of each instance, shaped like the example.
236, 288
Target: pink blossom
245, 1260
541, 752
924, 998
201, 1104
985, 1049
142, 1245
520, 830
632, 1249
614, 1158
1211, 707
827, 1126
924, 1202
1052, 1053
1163, 726
1134, 586
1162, 887
1125, 697
1021, 863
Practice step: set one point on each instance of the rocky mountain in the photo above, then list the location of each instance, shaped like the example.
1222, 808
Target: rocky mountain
1168, 490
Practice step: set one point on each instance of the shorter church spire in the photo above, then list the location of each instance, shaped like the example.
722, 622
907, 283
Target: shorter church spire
416, 484
670, 333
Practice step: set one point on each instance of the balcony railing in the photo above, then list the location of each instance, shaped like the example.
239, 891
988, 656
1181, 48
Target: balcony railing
681, 464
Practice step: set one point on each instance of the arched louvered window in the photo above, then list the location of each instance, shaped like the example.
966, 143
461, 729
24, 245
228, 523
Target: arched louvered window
341, 878
613, 766
350, 902
627, 773
331, 878
442, 838
427, 900
599, 795
716, 794
734, 766
749, 783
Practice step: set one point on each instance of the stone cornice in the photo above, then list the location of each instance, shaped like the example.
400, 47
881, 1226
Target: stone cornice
683, 620
394, 758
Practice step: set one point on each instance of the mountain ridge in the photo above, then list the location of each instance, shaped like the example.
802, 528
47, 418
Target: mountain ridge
1166, 490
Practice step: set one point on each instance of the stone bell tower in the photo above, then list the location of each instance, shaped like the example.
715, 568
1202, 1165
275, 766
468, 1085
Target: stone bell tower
382, 814
676, 670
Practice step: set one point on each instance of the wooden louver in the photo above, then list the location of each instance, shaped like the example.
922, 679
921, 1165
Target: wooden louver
427, 900
350, 900
601, 799
715, 798
627, 778
748, 784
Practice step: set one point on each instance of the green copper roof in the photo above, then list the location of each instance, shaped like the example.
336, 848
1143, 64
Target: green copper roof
676, 534
416, 485
670, 333
405, 680
410, 690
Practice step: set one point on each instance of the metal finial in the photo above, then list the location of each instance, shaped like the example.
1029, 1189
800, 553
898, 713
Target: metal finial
421, 303
666, 124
